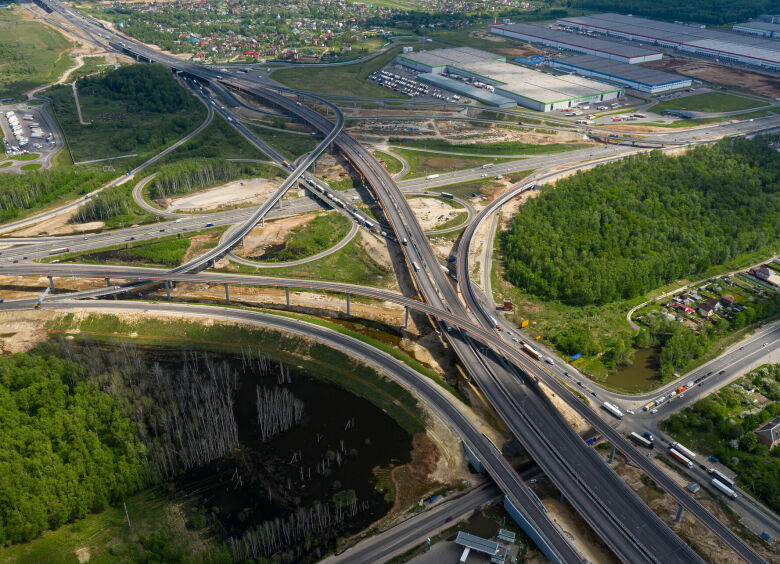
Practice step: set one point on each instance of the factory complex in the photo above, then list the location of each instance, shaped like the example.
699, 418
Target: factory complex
722, 46
764, 29
464, 68
577, 43
637, 77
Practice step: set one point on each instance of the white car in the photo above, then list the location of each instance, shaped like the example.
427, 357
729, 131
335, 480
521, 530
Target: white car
630, 411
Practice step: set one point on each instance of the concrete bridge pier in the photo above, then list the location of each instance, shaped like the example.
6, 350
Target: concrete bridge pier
406, 318
108, 282
347, 303
168, 289
679, 514
227, 294
287, 295
51, 283
612, 454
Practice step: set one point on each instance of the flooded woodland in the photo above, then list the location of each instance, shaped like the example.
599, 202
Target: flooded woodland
270, 460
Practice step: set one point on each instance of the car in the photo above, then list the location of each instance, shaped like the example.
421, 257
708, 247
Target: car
532, 481
654, 411
593, 394
709, 373
448, 519
579, 383
721, 372
162, 230
630, 411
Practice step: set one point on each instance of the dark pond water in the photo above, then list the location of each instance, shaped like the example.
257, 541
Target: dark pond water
641, 376
331, 452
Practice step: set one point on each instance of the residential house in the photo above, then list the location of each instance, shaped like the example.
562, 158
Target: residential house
727, 300
769, 434
767, 274
709, 306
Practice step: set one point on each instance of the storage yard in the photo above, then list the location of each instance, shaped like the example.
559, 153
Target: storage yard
722, 46
576, 43
637, 77
492, 74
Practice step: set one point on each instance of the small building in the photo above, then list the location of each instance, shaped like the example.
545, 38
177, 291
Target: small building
693, 487
727, 300
709, 306
768, 275
769, 434
469, 542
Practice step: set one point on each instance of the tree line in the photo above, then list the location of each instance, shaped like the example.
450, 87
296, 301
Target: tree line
623, 229
716, 12
189, 175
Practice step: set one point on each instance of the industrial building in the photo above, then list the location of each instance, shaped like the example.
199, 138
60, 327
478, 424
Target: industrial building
491, 73
576, 43
637, 77
722, 46
763, 29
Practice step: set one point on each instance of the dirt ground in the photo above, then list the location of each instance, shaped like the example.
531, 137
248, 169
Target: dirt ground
577, 531
273, 233
720, 74
238, 192
579, 425
510, 209
703, 541
58, 225
22, 330
432, 212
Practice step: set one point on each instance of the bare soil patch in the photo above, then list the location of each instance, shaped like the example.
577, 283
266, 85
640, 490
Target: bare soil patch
238, 192
432, 212
273, 233
22, 330
518, 51
720, 74
58, 225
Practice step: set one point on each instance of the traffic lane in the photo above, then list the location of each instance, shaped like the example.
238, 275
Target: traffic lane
417, 529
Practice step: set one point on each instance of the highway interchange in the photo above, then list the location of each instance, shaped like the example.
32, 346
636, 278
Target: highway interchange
506, 376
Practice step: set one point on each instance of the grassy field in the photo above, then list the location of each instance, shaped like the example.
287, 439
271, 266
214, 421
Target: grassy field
503, 148
219, 139
90, 66
710, 102
391, 164
25, 157
318, 235
105, 538
291, 145
348, 80
5, 164
31, 54
423, 164
352, 265
483, 187
31, 166
163, 252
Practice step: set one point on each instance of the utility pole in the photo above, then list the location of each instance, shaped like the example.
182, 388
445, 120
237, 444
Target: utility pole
126, 514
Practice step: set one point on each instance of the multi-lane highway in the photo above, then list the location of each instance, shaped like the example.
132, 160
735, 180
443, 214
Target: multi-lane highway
627, 525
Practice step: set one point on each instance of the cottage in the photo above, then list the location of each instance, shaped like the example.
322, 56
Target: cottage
727, 300
768, 275
709, 306
769, 434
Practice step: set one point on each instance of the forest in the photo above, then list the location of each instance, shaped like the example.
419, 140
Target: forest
189, 175
722, 425
623, 229
717, 12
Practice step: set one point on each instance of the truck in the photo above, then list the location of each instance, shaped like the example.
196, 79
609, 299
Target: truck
494, 322
59, 250
532, 352
488, 165
404, 242
680, 458
641, 441
680, 388
415, 265
431, 176
724, 488
721, 478
649, 406
648, 435
686, 451
447, 195
613, 409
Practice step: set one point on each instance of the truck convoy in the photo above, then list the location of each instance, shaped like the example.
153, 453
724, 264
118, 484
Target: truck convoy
613, 409
721, 478
724, 488
641, 441
680, 458
682, 449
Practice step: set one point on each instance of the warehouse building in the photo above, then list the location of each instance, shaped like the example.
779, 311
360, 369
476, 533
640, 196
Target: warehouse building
576, 43
722, 46
637, 77
763, 29
489, 72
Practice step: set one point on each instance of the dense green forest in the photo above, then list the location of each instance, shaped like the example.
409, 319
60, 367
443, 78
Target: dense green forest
67, 447
708, 11
722, 425
623, 229
20, 192
132, 109
182, 177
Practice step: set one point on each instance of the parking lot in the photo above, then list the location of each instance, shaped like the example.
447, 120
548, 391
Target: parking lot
29, 139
